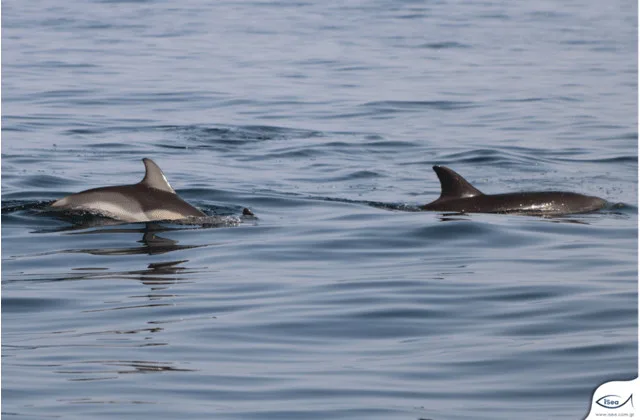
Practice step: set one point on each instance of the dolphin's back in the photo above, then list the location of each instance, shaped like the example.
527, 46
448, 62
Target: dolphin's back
150, 199
458, 195
549, 202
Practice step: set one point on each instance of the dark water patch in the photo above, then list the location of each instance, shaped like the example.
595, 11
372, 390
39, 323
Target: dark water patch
605, 318
412, 16
332, 328
390, 145
580, 42
544, 152
444, 45
95, 100
172, 146
236, 136
402, 106
66, 93
521, 157
295, 153
498, 157
34, 123
41, 181
463, 230
34, 305
6, 128
525, 294
124, 1
376, 204
496, 16
319, 62
613, 159
280, 132
547, 14
117, 148
123, 126
400, 314
352, 68
87, 132
626, 136
525, 100
48, 64
352, 176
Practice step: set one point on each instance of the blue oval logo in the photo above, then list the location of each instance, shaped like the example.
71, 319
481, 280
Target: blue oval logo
613, 401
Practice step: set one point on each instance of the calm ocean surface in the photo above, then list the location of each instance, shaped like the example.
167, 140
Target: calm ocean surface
325, 120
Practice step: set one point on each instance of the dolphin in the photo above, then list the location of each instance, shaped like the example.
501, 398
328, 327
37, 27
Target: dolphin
459, 196
148, 200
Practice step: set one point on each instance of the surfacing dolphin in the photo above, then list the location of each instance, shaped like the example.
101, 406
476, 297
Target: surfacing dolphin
459, 196
148, 200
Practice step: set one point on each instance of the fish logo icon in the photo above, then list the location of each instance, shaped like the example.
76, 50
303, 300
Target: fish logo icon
617, 400
614, 401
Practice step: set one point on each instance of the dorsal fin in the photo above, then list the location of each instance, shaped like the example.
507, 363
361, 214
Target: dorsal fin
154, 178
453, 185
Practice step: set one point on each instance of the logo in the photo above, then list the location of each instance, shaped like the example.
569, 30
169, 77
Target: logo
614, 401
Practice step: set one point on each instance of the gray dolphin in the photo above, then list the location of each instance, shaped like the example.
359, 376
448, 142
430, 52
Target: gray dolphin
148, 200
458, 195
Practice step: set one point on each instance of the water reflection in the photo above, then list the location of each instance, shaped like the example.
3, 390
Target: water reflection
112, 369
156, 274
457, 217
131, 366
152, 244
